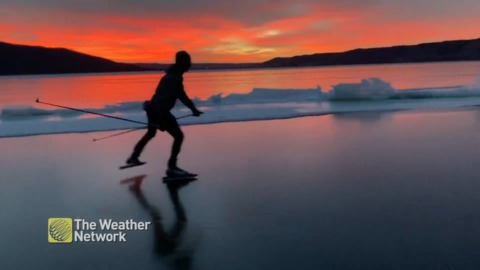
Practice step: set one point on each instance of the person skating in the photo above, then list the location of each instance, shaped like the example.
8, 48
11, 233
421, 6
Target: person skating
169, 89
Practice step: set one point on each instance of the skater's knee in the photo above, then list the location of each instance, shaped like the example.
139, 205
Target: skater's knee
151, 133
176, 133
179, 137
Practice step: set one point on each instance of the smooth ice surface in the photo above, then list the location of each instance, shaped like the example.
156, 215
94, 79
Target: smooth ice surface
347, 191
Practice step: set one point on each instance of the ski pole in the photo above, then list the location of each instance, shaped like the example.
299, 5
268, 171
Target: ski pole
131, 130
90, 112
188, 115
117, 134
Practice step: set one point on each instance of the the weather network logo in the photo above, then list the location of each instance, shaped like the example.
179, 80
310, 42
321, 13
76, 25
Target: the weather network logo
68, 230
60, 230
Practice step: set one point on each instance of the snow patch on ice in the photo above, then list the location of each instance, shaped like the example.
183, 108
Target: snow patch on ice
370, 94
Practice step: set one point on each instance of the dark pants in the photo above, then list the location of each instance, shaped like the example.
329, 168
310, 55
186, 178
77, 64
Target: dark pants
163, 121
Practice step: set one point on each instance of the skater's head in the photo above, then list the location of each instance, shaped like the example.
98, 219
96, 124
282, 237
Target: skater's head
183, 61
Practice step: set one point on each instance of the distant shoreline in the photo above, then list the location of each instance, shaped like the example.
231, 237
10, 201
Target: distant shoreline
223, 69
35, 60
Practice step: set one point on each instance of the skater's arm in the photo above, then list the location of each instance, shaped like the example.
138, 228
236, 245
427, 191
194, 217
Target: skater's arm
187, 101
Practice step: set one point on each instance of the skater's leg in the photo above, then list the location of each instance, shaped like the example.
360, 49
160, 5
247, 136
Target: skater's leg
152, 130
143, 142
178, 137
174, 130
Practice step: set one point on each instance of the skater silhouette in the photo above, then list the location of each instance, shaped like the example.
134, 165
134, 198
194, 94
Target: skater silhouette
169, 89
166, 242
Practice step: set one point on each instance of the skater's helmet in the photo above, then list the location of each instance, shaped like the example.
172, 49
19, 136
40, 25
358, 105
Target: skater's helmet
183, 60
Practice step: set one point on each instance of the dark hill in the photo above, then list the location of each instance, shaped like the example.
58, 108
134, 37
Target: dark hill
459, 50
22, 59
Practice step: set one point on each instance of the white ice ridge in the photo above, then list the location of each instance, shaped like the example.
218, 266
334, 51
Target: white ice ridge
372, 94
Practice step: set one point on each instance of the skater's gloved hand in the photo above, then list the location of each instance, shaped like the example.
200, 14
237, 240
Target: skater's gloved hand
196, 113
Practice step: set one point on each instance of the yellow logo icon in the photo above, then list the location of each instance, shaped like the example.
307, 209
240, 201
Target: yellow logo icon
60, 230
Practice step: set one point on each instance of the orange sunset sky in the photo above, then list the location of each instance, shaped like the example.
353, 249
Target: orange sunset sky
232, 30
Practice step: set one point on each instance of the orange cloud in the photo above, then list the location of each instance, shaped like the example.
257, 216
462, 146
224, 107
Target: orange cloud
280, 28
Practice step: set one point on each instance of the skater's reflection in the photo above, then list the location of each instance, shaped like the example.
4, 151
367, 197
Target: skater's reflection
167, 242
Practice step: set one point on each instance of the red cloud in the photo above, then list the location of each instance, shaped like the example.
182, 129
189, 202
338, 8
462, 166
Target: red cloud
211, 37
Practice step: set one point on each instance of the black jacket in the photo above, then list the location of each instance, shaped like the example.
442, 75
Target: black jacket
169, 89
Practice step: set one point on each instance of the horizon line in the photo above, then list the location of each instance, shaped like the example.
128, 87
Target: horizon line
240, 63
